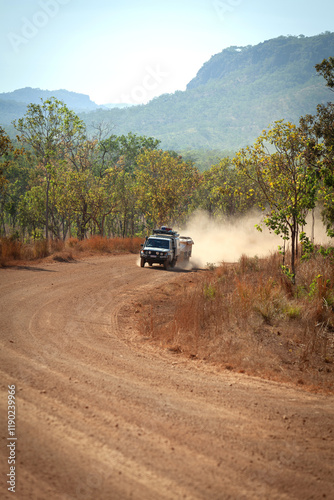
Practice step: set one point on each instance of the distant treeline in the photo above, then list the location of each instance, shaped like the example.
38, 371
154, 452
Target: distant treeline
55, 181
234, 96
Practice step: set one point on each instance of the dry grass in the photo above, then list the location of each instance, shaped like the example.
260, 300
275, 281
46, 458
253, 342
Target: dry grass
108, 245
13, 251
9, 250
250, 318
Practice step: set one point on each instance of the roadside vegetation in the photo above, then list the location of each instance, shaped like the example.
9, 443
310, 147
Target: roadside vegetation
13, 252
63, 193
235, 94
250, 318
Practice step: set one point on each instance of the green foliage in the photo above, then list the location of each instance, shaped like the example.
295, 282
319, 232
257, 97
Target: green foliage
5, 149
126, 148
204, 159
307, 246
292, 311
222, 192
53, 132
326, 69
164, 186
290, 275
32, 210
68, 183
209, 291
236, 94
321, 146
279, 164
321, 288
326, 252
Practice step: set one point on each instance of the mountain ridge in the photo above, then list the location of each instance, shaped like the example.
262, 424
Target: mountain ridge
77, 101
269, 55
233, 97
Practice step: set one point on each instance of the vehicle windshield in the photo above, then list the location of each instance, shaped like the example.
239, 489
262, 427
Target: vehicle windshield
157, 243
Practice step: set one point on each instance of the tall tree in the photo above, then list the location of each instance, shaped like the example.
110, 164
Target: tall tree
32, 211
5, 149
320, 131
128, 147
13, 178
222, 192
53, 132
326, 69
118, 154
286, 178
165, 185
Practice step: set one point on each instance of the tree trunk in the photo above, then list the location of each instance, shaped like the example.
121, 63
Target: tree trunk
82, 222
293, 250
47, 208
3, 226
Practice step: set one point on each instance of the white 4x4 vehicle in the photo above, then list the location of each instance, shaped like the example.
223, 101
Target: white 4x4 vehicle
165, 247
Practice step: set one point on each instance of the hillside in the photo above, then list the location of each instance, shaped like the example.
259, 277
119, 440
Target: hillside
291, 58
75, 101
233, 97
13, 105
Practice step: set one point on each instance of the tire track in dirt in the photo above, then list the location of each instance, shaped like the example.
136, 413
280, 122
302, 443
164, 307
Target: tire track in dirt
103, 415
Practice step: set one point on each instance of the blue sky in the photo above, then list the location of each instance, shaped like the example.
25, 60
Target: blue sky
132, 51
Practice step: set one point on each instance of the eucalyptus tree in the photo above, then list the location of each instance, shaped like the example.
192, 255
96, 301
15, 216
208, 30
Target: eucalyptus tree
320, 130
165, 185
53, 132
279, 164
222, 192
125, 148
5, 149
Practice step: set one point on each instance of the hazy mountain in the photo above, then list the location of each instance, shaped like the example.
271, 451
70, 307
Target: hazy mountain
117, 105
13, 105
233, 97
291, 59
75, 101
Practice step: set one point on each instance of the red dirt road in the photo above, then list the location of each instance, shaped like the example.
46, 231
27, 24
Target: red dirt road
103, 414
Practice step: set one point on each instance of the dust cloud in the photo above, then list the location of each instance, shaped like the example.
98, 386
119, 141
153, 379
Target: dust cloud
225, 241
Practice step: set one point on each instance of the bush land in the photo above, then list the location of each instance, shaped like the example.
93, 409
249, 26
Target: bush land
12, 251
250, 318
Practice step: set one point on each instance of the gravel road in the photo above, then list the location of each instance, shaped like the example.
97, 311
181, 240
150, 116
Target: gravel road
103, 414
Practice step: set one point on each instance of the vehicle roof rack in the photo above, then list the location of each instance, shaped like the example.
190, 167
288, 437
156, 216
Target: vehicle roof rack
166, 231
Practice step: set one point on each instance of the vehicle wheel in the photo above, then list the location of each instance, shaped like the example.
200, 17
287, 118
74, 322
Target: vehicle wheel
166, 264
173, 263
142, 262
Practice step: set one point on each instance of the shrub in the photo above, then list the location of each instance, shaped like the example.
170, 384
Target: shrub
57, 245
10, 249
72, 242
41, 249
251, 317
107, 245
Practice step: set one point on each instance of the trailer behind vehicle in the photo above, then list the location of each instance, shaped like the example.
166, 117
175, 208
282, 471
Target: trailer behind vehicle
165, 247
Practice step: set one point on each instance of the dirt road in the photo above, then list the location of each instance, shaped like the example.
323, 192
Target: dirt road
103, 414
